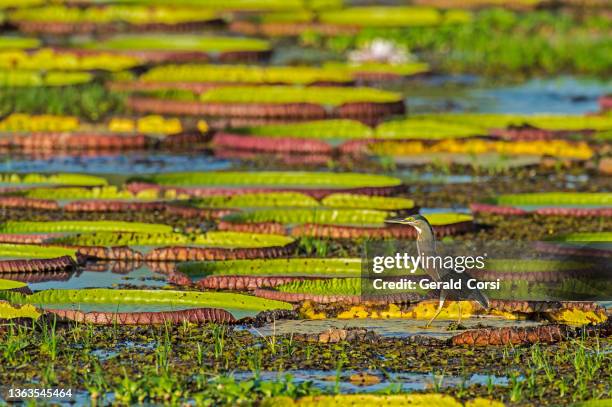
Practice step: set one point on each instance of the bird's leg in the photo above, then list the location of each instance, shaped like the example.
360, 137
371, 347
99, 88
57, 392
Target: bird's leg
459, 305
440, 305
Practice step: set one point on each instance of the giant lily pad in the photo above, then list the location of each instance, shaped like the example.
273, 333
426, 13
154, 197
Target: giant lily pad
296, 199
244, 74
349, 267
25, 251
109, 300
51, 179
328, 129
178, 42
543, 121
313, 215
81, 226
209, 239
276, 179
328, 96
18, 78
392, 16
549, 203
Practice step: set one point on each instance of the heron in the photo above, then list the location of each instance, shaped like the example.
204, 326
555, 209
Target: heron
426, 246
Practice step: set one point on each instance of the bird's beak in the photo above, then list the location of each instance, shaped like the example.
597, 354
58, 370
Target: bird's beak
400, 220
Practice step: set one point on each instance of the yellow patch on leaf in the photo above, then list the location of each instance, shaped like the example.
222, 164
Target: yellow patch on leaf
480, 402
577, 316
8, 311
450, 310
307, 311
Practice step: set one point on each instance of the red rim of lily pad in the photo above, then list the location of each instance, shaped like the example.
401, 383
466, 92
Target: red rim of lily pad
317, 193
128, 206
62, 263
302, 111
97, 141
28, 203
186, 253
65, 28
278, 29
547, 211
385, 232
336, 298
245, 282
196, 315
270, 144
157, 56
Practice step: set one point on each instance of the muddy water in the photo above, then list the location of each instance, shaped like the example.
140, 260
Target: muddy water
385, 327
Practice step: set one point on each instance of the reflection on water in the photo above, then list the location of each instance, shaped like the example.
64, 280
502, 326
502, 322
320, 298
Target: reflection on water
100, 275
126, 163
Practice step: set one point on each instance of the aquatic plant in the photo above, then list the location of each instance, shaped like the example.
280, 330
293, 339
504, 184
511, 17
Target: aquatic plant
91, 101
125, 299
81, 226
504, 120
19, 122
325, 95
586, 237
303, 75
25, 251
328, 129
333, 286
19, 78
427, 129
346, 267
378, 70
15, 43
555, 198
517, 43
131, 14
161, 238
179, 42
393, 16
48, 59
553, 148
276, 179
313, 215
53, 179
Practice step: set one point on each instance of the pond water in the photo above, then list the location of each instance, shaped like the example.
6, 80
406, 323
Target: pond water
386, 327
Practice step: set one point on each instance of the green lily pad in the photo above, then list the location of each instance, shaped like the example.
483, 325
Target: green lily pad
345, 267
179, 42
11, 284
16, 78
301, 75
555, 199
324, 129
404, 69
25, 251
320, 95
542, 121
52, 179
426, 129
209, 239
18, 42
82, 226
111, 300
312, 215
392, 16
275, 179
132, 14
